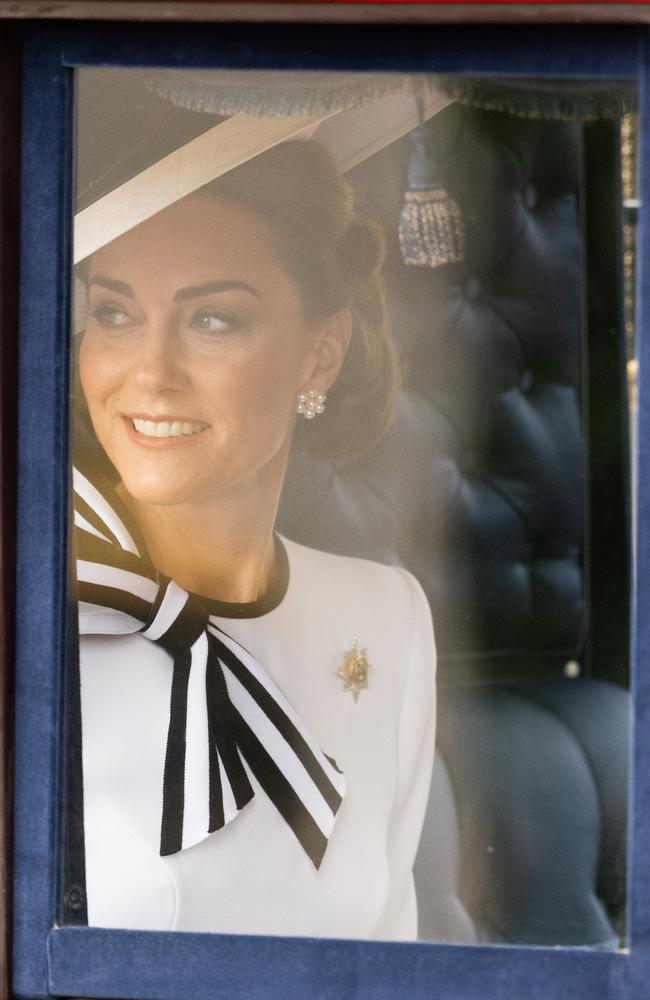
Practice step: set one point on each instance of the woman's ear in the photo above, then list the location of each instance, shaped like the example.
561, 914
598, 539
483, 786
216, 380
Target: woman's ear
330, 340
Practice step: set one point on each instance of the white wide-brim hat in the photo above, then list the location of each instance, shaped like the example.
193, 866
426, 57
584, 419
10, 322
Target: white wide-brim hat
231, 116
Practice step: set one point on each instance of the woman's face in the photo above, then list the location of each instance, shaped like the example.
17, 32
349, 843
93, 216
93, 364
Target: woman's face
195, 347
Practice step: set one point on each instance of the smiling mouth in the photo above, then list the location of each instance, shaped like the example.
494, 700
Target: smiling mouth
166, 428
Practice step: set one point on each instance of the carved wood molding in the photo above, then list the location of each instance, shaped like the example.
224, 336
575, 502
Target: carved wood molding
334, 11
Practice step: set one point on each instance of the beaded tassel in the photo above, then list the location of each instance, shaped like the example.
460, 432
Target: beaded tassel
431, 228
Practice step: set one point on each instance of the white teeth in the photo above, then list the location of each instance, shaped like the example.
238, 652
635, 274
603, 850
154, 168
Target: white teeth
165, 428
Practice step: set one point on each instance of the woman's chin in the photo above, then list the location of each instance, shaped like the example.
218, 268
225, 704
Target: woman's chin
159, 491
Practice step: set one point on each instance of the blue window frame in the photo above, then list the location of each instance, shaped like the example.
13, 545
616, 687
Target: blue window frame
50, 960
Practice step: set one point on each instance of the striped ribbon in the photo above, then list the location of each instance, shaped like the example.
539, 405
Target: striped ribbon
226, 717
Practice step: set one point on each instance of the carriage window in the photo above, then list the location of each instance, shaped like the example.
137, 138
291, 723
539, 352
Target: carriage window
353, 361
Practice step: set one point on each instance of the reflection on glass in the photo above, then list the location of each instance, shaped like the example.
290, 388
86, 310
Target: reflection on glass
330, 382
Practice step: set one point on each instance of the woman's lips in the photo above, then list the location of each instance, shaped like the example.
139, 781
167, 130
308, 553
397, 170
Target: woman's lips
168, 433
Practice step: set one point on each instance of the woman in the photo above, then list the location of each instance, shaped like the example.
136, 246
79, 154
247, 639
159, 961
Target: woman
257, 717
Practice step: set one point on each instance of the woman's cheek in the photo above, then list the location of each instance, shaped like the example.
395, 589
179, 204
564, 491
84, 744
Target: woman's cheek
87, 372
91, 361
100, 371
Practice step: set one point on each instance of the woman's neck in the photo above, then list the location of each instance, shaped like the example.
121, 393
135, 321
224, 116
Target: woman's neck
221, 548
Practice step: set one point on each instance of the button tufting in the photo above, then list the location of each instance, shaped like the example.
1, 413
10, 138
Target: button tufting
526, 380
472, 288
531, 198
74, 897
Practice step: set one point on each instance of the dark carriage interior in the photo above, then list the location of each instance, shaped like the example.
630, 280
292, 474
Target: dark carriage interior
503, 486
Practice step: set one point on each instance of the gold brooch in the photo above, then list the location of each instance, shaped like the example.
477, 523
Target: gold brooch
355, 669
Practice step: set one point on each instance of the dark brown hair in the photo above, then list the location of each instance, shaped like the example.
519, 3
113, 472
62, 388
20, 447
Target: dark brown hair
336, 256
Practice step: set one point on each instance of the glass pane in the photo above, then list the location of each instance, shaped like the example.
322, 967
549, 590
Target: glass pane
350, 356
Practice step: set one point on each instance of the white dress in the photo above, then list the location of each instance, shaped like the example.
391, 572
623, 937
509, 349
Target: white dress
253, 876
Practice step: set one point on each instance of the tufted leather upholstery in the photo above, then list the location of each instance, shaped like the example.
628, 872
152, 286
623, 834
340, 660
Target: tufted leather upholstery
479, 489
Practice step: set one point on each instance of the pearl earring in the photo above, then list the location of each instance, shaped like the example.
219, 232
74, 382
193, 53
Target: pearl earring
310, 403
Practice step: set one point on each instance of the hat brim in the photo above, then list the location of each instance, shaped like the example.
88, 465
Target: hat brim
350, 133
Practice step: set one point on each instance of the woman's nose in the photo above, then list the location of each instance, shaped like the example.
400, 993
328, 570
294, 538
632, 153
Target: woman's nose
158, 365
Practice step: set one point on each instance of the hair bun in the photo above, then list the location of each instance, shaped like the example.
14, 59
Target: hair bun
362, 248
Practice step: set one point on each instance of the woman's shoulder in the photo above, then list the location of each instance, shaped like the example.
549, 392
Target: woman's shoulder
390, 589
384, 606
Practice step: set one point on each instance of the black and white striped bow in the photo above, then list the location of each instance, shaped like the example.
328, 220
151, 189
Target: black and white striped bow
203, 786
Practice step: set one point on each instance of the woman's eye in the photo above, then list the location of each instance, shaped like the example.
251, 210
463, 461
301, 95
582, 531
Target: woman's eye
214, 321
111, 317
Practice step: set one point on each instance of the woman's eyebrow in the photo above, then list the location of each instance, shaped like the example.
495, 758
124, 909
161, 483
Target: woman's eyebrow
182, 295
196, 291
120, 287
